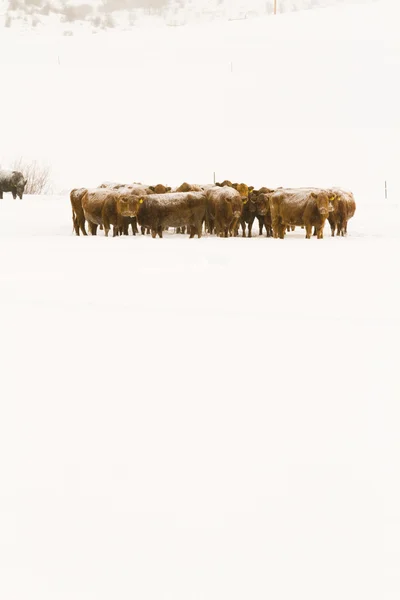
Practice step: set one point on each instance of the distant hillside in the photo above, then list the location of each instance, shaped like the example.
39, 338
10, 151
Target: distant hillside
70, 16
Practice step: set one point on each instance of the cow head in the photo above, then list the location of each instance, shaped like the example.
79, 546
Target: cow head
243, 190
20, 188
251, 201
262, 202
322, 200
333, 201
159, 188
127, 204
226, 182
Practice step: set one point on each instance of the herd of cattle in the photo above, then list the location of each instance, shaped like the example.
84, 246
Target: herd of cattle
221, 209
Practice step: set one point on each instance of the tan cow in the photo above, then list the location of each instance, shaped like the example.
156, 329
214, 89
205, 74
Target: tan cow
109, 207
159, 189
344, 209
224, 210
299, 207
175, 209
78, 217
263, 211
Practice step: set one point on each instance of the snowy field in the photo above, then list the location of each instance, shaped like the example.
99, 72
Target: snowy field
203, 419
198, 418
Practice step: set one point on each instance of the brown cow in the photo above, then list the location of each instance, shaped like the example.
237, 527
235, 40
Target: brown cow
263, 210
78, 217
344, 209
226, 182
137, 189
193, 187
189, 187
108, 207
224, 209
244, 191
159, 189
175, 209
301, 207
248, 213
111, 185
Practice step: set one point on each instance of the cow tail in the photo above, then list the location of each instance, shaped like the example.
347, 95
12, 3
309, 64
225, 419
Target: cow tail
73, 220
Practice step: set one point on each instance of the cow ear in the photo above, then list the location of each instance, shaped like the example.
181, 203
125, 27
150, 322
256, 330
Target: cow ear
313, 195
218, 184
152, 188
168, 189
251, 188
235, 185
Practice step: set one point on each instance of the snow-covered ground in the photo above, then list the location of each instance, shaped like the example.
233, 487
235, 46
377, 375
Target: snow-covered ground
203, 419
198, 418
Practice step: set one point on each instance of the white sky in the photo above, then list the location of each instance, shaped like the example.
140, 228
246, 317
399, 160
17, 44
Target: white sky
312, 98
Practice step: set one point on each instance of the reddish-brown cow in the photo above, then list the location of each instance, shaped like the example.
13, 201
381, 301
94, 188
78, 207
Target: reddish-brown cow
176, 209
78, 217
224, 210
109, 207
301, 207
344, 209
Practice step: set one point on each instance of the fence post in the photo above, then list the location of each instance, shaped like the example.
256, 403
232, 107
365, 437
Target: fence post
214, 177
385, 190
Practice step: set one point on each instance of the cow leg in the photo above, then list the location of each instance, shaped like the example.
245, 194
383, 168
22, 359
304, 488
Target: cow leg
308, 232
160, 230
75, 223
14, 195
251, 225
81, 224
93, 228
320, 233
275, 225
1, 195
153, 233
315, 231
